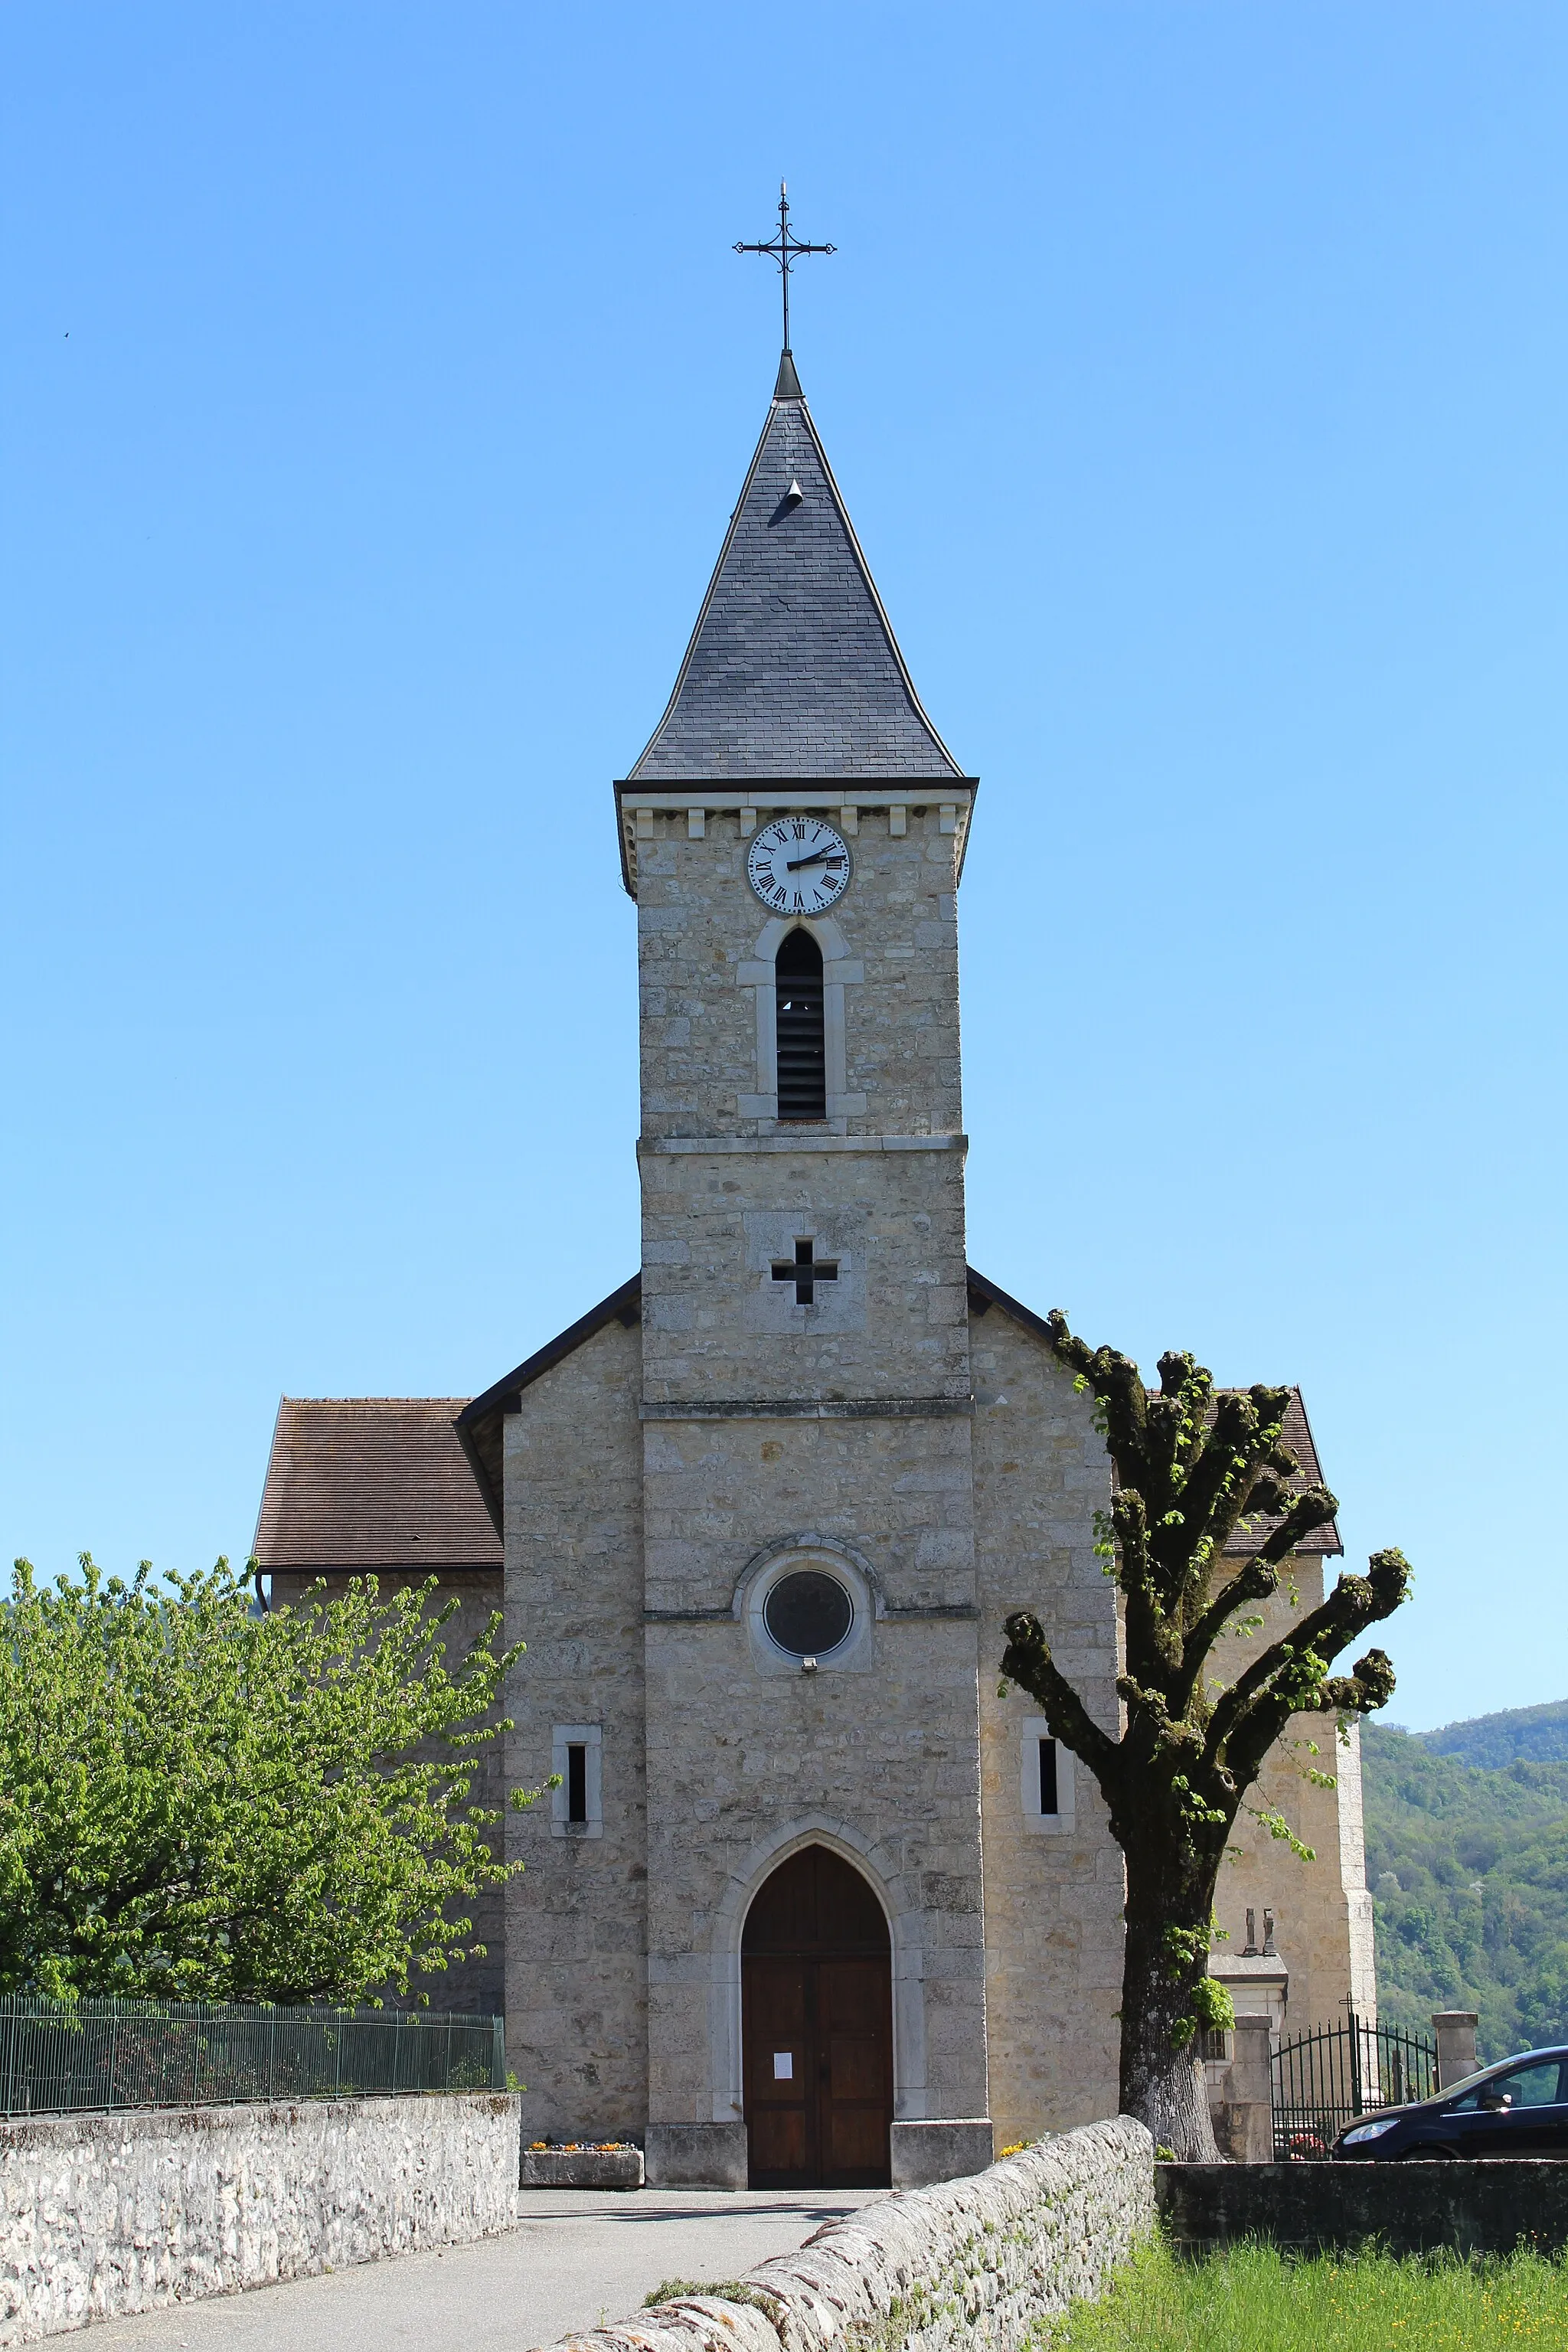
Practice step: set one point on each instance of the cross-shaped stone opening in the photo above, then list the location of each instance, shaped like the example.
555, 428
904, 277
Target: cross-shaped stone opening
806, 1270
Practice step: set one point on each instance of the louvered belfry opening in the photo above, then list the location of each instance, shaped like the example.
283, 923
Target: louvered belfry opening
802, 1049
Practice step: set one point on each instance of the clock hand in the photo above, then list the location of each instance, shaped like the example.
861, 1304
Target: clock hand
794, 864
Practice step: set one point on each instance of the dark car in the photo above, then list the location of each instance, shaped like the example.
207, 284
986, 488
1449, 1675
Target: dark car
1517, 2109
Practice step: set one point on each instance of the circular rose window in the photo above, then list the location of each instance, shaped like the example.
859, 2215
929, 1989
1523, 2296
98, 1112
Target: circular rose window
809, 1613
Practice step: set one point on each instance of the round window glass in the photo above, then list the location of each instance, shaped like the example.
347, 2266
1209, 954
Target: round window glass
809, 1613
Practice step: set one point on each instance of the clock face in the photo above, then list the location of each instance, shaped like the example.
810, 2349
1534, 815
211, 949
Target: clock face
798, 865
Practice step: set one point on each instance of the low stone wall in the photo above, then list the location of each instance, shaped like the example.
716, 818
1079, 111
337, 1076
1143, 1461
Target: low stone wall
973, 2263
105, 2214
1410, 2208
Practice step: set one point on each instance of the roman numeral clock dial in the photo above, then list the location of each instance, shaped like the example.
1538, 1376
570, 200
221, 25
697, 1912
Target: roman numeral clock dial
798, 865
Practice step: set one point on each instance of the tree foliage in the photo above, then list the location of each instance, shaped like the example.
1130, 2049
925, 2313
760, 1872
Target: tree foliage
1191, 1465
199, 1801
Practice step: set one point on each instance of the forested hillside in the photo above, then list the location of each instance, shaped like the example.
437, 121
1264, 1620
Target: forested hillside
1468, 1863
1522, 1734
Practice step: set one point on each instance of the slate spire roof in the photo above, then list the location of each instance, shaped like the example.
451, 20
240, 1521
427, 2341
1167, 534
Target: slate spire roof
793, 670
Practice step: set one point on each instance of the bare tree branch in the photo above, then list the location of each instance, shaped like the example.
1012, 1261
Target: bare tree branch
1027, 1662
1114, 1378
1295, 1680
1256, 1579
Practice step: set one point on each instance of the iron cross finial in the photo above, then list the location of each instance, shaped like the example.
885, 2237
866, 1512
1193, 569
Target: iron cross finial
784, 249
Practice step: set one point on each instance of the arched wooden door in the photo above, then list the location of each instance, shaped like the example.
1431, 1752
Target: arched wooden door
816, 2006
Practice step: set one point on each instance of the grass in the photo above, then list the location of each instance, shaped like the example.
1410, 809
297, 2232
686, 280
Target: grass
675, 2290
1253, 2299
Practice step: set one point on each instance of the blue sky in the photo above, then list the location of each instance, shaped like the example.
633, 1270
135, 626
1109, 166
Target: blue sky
378, 382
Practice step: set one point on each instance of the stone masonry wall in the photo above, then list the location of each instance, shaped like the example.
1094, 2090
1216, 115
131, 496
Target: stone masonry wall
1052, 1896
1461, 2208
893, 1323
1323, 1911
880, 1766
577, 1934
699, 925
971, 2267
103, 2215
770, 1425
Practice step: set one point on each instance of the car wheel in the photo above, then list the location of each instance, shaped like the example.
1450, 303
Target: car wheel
1429, 2154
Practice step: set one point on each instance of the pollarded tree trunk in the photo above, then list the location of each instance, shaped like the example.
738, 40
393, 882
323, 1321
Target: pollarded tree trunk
1193, 1468
1165, 1966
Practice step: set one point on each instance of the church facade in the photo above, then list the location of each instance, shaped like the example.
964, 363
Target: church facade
812, 1903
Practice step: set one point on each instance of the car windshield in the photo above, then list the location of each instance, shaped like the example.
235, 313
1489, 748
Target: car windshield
1537, 2085
1493, 2074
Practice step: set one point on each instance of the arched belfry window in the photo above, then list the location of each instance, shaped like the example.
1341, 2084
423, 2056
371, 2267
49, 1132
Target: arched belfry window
802, 1048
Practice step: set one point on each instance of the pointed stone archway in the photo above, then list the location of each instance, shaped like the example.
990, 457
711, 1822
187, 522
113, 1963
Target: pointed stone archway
818, 2027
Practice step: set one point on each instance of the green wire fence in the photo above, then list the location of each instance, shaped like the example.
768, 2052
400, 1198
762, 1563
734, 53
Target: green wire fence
58, 2057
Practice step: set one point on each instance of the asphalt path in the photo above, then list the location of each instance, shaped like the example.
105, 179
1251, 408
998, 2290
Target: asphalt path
577, 2257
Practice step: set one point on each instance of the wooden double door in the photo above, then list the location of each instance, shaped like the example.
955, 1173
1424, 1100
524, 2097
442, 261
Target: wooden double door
817, 2027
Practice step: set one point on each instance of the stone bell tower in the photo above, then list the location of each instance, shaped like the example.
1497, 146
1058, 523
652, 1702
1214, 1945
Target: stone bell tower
794, 836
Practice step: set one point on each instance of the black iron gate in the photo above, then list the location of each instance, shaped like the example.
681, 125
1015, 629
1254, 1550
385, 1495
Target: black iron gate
1322, 2080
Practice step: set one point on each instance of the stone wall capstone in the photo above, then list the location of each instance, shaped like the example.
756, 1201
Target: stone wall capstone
975, 2264
105, 2214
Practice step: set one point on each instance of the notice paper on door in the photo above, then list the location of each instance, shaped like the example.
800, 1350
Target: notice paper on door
784, 2066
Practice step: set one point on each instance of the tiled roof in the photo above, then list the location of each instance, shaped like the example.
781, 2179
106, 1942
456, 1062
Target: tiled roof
1299, 1440
793, 670
371, 1482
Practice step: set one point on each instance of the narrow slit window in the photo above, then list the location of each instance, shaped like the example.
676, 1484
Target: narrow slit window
1048, 1777
802, 1043
577, 1799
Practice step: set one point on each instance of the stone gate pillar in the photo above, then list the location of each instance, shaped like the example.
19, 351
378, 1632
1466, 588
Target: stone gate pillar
1456, 2031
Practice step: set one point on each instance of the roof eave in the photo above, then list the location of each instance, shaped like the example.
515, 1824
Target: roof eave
504, 1396
488, 1496
1334, 1550
991, 1293
624, 1303
266, 1483
390, 1566
771, 792
867, 574
687, 657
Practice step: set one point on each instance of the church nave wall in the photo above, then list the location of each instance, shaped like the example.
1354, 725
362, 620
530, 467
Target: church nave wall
577, 2024
1053, 1895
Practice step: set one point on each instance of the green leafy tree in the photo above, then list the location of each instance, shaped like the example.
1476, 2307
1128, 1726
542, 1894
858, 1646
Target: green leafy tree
1191, 1466
200, 1801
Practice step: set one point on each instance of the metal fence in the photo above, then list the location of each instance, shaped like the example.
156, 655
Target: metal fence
57, 2057
1322, 2080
